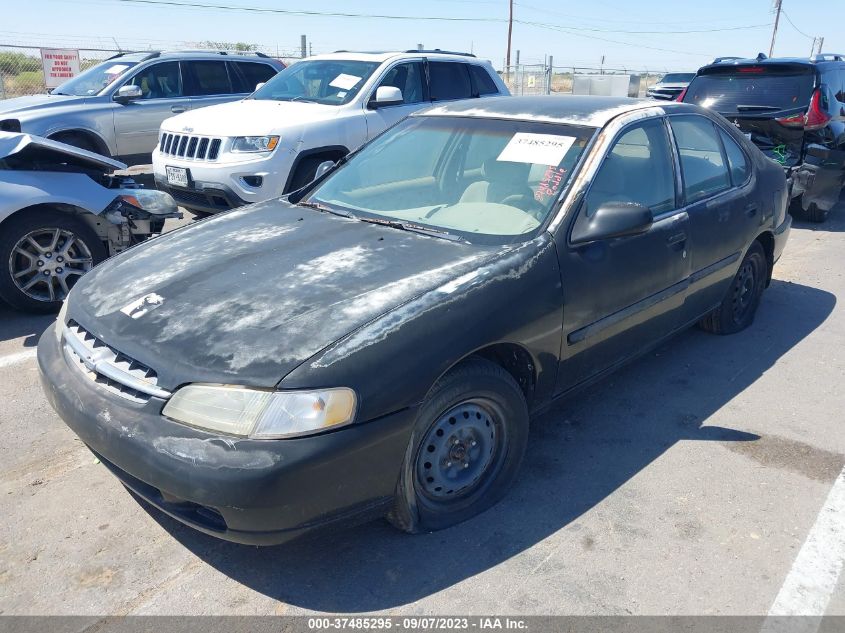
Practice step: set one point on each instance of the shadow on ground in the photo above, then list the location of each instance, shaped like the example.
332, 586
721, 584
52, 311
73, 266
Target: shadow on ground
14, 324
579, 454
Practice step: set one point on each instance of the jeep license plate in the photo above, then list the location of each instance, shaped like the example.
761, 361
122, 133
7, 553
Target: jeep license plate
177, 176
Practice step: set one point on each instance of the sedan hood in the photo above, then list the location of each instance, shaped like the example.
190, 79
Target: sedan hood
247, 296
36, 102
249, 117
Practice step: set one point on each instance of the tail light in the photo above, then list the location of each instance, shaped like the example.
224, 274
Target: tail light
816, 117
813, 119
682, 95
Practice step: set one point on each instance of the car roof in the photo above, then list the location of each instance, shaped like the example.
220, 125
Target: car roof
584, 110
821, 61
383, 56
142, 56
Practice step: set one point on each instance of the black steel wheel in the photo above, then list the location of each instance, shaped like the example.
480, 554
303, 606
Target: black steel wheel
737, 310
466, 448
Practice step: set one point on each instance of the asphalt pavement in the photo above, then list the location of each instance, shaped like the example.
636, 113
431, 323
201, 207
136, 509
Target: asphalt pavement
704, 478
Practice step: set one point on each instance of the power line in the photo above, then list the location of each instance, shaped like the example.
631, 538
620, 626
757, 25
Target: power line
788, 19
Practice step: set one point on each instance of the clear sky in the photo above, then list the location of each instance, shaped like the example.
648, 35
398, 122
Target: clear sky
633, 34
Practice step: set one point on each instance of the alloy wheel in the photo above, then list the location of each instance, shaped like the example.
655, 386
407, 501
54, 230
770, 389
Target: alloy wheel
45, 264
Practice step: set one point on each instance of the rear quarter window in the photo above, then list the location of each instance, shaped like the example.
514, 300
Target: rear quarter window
250, 74
484, 84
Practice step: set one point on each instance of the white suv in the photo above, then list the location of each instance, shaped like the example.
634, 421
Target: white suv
316, 110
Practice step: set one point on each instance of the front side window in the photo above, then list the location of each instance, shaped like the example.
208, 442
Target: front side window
637, 169
481, 179
210, 78
449, 80
702, 164
408, 78
97, 78
326, 81
159, 81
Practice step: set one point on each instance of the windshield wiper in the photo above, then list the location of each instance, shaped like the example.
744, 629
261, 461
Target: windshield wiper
413, 228
320, 207
742, 108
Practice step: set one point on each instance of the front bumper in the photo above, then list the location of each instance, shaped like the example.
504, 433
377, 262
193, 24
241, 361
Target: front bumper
259, 492
223, 183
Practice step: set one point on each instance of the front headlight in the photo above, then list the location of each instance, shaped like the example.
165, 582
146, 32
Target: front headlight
260, 414
151, 201
255, 143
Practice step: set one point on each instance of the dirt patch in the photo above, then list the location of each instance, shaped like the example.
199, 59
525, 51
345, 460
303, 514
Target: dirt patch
797, 457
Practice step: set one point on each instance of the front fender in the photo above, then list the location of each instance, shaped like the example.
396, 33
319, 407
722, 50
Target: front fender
23, 189
394, 360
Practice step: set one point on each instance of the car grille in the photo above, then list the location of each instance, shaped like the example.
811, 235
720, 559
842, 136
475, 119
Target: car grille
109, 368
191, 147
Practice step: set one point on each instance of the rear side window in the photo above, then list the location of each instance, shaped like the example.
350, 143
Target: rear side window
737, 161
210, 78
752, 89
449, 80
250, 74
484, 84
702, 164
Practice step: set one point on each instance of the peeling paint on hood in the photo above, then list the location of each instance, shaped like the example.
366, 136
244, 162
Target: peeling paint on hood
249, 295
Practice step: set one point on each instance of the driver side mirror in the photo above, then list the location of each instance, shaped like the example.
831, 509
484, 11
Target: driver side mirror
126, 94
260, 85
323, 167
613, 219
386, 96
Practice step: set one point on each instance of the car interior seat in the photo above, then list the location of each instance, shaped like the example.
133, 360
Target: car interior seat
502, 182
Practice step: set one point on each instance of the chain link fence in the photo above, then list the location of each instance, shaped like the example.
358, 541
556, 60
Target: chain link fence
544, 79
22, 73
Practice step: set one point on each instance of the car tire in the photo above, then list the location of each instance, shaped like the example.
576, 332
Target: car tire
814, 213
465, 450
737, 310
76, 245
77, 139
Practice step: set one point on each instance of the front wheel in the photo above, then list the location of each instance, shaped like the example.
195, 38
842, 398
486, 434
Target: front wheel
42, 255
737, 310
466, 448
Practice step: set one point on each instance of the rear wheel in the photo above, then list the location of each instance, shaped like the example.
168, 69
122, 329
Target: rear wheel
815, 214
737, 310
466, 448
42, 255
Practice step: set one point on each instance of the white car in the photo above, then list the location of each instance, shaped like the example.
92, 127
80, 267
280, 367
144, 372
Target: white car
316, 110
62, 211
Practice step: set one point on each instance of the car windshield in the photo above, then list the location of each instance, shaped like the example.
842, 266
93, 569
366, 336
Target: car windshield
97, 78
331, 82
752, 89
677, 78
483, 180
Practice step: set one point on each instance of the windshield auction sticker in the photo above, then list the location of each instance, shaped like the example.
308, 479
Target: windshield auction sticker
344, 82
537, 149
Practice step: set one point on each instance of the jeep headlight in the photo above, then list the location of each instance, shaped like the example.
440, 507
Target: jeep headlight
244, 144
261, 414
151, 201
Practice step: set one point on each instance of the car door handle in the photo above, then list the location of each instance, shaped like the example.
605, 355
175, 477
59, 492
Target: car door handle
178, 109
751, 210
677, 238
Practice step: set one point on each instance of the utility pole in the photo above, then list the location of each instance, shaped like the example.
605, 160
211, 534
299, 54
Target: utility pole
775, 29
510, 32
302, 46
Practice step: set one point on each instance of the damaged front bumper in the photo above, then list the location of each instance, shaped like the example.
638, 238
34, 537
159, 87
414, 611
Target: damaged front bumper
258, 492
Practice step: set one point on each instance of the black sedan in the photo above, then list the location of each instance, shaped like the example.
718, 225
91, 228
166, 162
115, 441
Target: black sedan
376, 343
